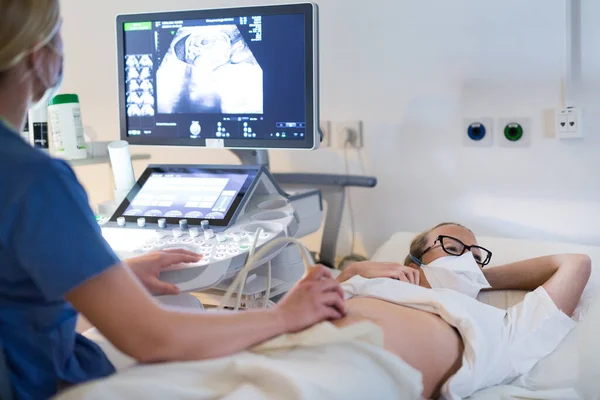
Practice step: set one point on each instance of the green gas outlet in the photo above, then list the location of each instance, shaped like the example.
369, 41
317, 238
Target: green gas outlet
516, 131
513, 132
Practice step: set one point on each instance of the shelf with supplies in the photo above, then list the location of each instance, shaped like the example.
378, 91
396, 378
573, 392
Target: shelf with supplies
104, 160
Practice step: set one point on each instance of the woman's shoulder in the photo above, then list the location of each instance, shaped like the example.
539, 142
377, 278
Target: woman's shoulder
24, 168
17, 155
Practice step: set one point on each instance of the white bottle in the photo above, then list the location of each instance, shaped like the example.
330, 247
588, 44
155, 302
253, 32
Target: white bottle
64, 114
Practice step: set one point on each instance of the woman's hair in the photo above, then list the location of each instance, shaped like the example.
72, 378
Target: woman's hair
417, 246
25, 25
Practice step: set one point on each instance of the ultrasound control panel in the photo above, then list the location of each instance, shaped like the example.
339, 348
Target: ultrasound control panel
254, 205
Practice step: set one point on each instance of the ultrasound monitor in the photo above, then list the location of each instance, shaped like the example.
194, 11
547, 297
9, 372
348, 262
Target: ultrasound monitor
223, 78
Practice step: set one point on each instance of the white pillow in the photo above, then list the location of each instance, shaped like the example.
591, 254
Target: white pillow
506, 251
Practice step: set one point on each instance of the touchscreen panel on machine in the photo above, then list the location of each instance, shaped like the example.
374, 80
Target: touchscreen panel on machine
191, 193
191, 196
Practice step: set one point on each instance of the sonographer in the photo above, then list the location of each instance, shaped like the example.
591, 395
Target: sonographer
54, 262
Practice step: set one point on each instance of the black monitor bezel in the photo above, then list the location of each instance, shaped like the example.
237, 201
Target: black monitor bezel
311, 140
251, 171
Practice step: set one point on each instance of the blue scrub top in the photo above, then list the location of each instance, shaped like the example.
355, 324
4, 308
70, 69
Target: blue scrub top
49, 244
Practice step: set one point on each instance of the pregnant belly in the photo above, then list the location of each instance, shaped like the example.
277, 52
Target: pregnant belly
421, 339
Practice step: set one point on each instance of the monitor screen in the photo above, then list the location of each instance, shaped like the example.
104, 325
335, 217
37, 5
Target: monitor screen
192, 193
237, 77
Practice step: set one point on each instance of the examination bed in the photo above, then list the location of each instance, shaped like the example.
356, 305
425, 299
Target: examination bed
572, 371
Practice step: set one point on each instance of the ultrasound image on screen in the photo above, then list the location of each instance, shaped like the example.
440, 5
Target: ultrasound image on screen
209, 69
140, 91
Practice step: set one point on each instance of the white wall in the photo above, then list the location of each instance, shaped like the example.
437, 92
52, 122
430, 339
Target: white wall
411, 70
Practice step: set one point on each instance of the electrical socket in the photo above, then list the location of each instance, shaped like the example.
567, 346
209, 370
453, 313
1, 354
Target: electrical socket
569, 123
350, 134
325, 127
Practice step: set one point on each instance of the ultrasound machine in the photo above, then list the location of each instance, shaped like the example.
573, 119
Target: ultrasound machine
244, 79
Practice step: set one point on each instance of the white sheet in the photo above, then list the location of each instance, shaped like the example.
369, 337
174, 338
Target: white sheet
323, 362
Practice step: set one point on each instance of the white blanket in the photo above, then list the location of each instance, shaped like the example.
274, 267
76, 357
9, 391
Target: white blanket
323, 362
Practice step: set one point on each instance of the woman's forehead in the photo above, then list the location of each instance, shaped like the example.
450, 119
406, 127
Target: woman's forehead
459, 232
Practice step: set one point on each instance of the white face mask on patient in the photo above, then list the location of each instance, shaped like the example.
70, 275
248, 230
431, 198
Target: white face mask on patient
461, 274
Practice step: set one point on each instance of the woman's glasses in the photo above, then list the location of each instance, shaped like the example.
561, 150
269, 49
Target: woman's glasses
455, 247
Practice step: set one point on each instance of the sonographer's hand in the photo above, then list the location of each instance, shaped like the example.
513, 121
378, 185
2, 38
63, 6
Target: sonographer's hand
148, 267
316, 298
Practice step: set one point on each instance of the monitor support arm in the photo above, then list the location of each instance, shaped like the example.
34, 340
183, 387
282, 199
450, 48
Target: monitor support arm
333, 189
252, 156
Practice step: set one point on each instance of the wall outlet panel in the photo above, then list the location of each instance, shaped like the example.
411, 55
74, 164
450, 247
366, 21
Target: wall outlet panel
478, 132
349, 134
514, 132
569, 123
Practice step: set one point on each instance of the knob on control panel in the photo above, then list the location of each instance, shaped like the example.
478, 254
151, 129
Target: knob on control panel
158, 235
183, 224
141, 222
121, 221
194, 232
177, 233
209, 234
162, 223
221, 237
205, 224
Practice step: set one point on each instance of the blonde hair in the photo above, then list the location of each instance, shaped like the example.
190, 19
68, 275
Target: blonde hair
25, 25
417, 246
